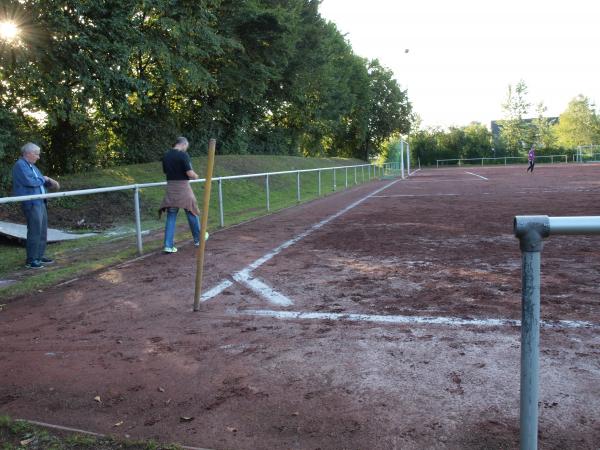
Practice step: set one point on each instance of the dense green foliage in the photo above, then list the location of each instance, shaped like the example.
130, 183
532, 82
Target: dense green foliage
114, 81
579, 124
472, 141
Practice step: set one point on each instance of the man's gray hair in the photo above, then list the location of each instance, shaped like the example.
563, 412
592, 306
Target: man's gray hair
181, 141
30, 147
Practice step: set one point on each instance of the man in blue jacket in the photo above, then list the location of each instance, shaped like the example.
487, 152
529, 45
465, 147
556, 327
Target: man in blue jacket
28, 180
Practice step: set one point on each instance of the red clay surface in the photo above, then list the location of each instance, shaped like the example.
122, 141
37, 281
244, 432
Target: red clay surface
128, 334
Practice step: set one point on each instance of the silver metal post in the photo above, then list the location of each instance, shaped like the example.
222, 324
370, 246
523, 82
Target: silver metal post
362, 172
530, 230
319, 172
268, 193
355, 181
346, 178
530, 349
505, 160
551, 159
221, 212
298, 186
138, 220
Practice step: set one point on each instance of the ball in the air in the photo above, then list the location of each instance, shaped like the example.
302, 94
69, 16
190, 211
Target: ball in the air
206, 235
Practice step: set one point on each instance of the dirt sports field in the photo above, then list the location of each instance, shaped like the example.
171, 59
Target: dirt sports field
383, 317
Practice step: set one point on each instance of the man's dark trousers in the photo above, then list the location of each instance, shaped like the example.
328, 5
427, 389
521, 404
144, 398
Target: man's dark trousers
37, 230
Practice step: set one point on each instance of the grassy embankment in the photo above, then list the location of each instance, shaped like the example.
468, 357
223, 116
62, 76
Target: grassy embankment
112, 214
22, 435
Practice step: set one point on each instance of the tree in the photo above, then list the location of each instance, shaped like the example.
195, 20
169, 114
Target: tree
579, 124
389, 108
544, 136
513, 131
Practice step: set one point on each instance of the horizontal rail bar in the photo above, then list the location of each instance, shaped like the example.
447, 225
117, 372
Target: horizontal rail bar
547, 226
575, 225
23, 198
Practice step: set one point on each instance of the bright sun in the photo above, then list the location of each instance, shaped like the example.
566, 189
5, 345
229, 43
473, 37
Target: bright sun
8, 31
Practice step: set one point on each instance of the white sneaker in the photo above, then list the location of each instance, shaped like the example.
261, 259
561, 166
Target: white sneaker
170, 249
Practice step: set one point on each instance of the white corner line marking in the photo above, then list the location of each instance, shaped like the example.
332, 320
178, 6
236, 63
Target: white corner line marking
417, 320
262, 289
215, 290
243, 276
483, 178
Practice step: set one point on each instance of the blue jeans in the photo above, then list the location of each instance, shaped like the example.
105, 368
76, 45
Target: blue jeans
37, 230
193, 221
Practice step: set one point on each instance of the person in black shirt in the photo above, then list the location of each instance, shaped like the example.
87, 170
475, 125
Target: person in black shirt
178, 170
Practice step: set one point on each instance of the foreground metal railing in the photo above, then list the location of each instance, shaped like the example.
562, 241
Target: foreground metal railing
506, 159
372, 171
531, 230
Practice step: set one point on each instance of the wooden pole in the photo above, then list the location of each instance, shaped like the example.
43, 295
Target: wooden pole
204, 223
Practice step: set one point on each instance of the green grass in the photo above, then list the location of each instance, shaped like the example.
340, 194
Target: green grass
22, 435
110, 213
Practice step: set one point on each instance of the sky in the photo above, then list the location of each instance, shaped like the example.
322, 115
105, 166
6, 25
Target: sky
463, 54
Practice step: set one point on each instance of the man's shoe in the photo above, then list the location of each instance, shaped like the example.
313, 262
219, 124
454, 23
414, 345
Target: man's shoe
170, 249
45, 260
196, 244
34, 265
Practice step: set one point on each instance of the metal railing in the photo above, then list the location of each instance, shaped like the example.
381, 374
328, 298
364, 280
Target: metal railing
531, 230
506, 159
372, 171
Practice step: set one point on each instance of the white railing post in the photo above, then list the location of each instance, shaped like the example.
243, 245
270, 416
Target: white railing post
355, 180
319, 174
346, 178
268, 193
221, 211
298, 186
334, 179
138, 220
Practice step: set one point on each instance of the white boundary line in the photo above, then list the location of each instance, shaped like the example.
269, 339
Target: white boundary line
483, 178
416, 320
416, 195
440, 180
244, 277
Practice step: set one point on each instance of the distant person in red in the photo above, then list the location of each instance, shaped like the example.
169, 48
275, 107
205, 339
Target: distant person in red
531, 158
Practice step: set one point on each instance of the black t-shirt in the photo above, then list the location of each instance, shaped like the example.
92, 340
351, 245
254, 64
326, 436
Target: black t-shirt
176, 164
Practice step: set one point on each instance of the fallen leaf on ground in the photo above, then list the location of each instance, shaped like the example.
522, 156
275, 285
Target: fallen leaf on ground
185, 419
118, 424
231, 429
97, 398
161, 389
27, 441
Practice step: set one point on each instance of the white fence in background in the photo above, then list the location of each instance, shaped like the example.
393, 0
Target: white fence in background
505, 159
